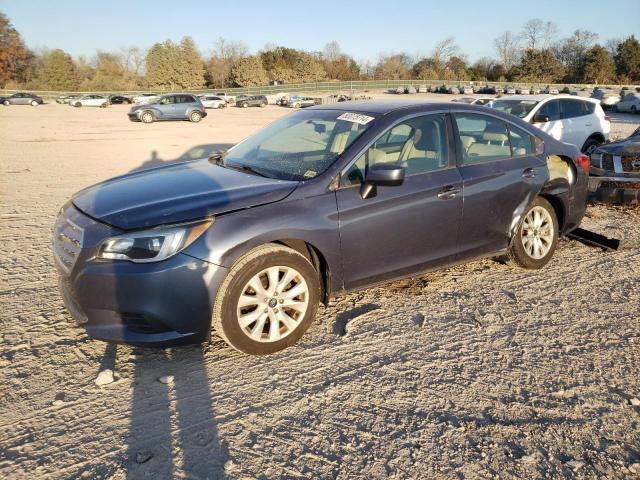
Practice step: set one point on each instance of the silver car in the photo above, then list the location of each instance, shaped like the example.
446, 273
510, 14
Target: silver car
629, 103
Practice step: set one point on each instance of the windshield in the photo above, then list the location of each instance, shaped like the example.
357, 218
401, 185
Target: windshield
519, 108
300, 146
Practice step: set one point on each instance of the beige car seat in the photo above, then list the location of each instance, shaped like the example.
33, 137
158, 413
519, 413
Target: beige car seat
421, 152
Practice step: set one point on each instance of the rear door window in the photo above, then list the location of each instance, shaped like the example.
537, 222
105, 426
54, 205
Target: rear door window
573, 108
521, 141
482, 138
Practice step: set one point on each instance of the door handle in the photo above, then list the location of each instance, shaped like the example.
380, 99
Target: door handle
448, 192
528, 173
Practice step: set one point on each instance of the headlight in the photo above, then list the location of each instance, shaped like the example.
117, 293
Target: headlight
151, 245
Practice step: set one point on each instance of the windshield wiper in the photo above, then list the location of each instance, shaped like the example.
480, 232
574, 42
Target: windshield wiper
245, 168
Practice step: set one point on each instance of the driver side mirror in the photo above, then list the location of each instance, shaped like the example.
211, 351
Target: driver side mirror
384, 175
540, 118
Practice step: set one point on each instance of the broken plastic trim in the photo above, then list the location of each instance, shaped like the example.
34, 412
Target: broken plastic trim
593, 239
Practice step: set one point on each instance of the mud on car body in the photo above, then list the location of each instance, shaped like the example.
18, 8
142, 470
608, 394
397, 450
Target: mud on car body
329, 199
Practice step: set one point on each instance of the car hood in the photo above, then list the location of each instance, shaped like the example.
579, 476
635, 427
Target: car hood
177, 193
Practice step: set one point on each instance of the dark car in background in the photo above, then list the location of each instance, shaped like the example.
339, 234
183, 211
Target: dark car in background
22, 98
326, 200
119, 99
245, 101
615, 171
174, 106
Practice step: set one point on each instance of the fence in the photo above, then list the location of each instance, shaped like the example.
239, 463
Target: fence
321, 87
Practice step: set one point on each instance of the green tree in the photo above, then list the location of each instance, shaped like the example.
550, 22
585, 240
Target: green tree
191, 66
538, 66
249, 72
16, 60
58, 72
628, 60
598, 66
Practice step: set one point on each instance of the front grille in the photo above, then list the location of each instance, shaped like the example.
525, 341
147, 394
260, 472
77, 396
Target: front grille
67, 242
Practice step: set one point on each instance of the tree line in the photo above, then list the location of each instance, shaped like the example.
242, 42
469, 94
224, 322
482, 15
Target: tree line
534, 54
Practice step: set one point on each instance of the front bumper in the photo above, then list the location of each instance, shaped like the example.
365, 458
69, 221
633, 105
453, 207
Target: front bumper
153, 304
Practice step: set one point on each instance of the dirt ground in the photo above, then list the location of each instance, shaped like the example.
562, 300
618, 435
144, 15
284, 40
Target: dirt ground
479, 371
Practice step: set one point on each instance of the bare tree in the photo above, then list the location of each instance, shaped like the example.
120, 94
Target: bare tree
331, 51
532, 32
507, 47
444, 50
549, 33
229, 50
133, 60
612, 45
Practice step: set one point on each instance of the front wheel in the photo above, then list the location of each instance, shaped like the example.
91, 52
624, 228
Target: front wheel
245, 105
147, 117
195, 117
77, 105
536, 237
34, 103
267, 301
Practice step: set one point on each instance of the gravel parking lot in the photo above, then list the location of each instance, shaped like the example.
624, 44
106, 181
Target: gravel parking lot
479, 371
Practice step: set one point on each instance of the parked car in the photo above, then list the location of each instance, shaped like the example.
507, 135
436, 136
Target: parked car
174, 106
452, 90
465, 89
550, 90
578, 121
91, 100
212, 101
629, 103
227, 98
326, 200
145, 98
22, 98
510, 90
62, 99
607, 98
119, 99
473, 100
399, 90
297, 101
251, 101
615, 171
534, 91
522, 91
410, 89
422, 89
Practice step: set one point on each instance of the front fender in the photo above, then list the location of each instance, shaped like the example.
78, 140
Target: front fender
313, 220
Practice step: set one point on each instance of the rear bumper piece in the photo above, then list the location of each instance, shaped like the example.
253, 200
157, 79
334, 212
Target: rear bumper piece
614, 189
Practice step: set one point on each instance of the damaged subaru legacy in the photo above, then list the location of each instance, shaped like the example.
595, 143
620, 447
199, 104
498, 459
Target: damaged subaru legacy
245, 244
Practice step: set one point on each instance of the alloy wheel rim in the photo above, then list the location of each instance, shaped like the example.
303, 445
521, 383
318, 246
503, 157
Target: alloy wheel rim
537, 233
273, 304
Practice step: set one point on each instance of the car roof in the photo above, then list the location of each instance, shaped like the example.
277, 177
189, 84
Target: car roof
541, 97
383, 107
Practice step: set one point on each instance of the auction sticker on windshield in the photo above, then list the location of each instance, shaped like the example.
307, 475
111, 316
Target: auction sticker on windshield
355, 118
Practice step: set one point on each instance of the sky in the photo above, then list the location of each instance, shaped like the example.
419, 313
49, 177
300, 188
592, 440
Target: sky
362, 28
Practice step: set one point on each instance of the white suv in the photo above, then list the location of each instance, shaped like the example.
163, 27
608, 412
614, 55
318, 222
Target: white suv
570, 119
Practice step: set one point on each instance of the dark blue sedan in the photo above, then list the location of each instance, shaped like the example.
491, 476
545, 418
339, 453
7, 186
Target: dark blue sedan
330, 199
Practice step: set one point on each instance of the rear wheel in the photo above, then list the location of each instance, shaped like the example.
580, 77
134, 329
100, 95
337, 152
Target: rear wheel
590, 145
267, 301
195, 116
147, 117
536, 237
245, 105
77, 104
34, 103
262, 105
6, 103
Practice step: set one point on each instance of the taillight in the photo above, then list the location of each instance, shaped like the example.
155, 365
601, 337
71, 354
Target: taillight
583, 161
607, 118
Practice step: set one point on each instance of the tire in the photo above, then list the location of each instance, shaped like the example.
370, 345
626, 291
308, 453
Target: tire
590, 145
634, 110
34, 103
195, 117
296, 105
531, 248
258, 337
104, 105
262, 105
245, 105
147, 117
6, 103
77, 104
